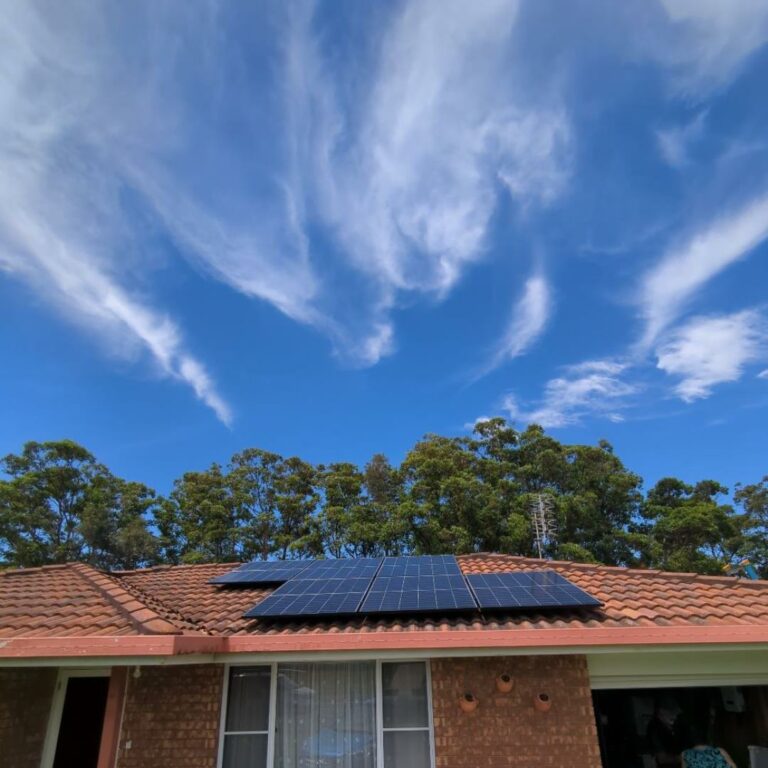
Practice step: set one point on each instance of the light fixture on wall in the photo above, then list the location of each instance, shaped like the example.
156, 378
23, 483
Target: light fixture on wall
468, 702
504, 683
542, 702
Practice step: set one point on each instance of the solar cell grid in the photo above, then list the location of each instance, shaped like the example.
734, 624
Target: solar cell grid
364, 566
542, 589
276, 571
415, 565
418, 584
263, 572
326, 587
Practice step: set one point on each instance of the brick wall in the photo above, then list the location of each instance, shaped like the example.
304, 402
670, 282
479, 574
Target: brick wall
171, 717
505, 729
25, 702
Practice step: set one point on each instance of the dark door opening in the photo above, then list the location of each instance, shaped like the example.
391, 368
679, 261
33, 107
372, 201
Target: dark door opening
82, 720
650, 728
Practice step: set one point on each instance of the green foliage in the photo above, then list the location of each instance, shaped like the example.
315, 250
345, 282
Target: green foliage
686, 529
206, 517
754, 523
450, 495
60, 504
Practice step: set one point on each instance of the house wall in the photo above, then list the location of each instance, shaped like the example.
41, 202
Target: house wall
25, 702
171, 717
506, 729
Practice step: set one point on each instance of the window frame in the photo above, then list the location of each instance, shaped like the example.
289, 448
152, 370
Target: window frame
269, 733
51, 740
380, 730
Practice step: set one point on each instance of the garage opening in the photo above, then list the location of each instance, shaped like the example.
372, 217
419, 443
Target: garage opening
652, 728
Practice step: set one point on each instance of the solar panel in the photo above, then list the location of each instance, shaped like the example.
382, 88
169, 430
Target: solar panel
342, 568
264, 572
534, 589
418, 585
421, 565
326, 587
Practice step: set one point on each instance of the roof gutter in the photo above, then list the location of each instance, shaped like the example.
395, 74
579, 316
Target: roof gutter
203, 648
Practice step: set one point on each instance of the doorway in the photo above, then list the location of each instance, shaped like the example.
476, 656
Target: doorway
77, 720
731, 717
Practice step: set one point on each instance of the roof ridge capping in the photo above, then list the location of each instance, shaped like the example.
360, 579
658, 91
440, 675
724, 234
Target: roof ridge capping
141, 615
118, 572
155, 603
22, 570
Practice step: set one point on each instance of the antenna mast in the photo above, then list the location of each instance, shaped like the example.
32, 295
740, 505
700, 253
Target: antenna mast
544, 525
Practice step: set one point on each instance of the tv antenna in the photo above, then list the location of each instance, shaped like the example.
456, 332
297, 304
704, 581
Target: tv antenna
544, 524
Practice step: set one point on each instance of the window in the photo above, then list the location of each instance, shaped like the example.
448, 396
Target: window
405, 715
246, 730
328, 715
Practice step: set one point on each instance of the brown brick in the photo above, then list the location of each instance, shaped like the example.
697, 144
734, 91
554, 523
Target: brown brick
25, 702
171, 717
505, 729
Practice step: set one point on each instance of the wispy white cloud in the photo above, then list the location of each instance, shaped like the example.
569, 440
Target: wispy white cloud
398, 163
668, 287
409, 178
714, 40
675, 142
60, 228
528, 321
593, 388
713, 350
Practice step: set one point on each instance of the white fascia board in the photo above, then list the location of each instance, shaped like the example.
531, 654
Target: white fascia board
627, 660
678, 668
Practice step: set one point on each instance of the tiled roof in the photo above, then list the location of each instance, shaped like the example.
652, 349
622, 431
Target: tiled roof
74, 599
78, 600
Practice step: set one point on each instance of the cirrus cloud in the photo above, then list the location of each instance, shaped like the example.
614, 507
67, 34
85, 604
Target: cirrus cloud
707, 351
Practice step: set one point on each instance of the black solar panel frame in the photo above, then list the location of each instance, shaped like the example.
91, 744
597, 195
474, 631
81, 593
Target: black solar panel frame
316, 594
524, 590
258, 572
418, 584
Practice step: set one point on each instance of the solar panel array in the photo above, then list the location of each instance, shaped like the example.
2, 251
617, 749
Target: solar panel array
324, 587
398, 585
264, 572
538, 589
417, 585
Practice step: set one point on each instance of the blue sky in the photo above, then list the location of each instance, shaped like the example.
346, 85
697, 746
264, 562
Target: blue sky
326, 229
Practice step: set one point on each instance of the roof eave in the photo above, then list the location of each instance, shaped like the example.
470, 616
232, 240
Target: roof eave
533, 641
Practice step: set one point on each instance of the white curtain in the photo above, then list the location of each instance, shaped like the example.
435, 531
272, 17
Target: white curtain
326, 716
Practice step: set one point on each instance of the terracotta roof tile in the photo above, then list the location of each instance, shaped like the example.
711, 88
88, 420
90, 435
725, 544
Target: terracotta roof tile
72, 599
78, 600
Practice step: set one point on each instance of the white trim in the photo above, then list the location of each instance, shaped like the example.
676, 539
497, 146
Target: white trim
272, 715
57, 710
431, 715
223, 716
429, 727
379, 716
255, 659
223, 732
680, 681
678, 670
122, 717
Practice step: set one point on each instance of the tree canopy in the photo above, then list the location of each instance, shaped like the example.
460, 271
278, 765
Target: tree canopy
456, 495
